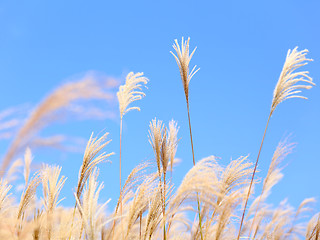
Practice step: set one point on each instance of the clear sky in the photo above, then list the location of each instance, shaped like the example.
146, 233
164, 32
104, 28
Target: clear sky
241, 48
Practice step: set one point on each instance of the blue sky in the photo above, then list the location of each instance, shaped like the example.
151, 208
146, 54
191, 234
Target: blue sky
241, 48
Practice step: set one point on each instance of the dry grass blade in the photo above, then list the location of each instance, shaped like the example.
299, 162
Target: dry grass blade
52, 186
132, 181
45, 112
94, 146
274, 174
130, 185
222, 230
303, 207
156, 136
147, 207
172, 141
10, 120
203, 178
28, 194
183, 60
14, 171
4, 195
283, 149
234, 175
27, 163
91, 212
164, 145
131, 91
313, 228
154, 214
287, 86
139, 205
90, 161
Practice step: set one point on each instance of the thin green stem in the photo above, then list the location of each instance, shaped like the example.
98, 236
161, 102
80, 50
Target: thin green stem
194, 163
253, 174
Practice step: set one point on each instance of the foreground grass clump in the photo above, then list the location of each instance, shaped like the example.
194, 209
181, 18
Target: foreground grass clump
212, 201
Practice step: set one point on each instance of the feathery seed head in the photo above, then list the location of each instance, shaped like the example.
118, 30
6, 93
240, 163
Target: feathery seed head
4, 194
90, 210
27, 163
131, 91
28, 194
274, 174
287, 86
90, 159
155, 138
172, 141
164, 142
52, 186
165, 151
183, 59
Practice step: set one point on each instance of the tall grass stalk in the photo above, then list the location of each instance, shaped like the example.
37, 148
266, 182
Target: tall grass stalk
129, 92
282, 150
287, 87
183, 59
194, 163
90, 161
253, 174
149, 207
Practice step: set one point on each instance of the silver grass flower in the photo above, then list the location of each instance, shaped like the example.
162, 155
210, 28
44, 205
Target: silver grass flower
131, 91
90, 159
27, 163
287, 86
47, 112
172, 141
91, 211
52, 186
156, 133
4, 195
28, 195
183, 59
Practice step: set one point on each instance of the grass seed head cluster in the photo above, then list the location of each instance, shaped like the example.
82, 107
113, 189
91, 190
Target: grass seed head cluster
212, 201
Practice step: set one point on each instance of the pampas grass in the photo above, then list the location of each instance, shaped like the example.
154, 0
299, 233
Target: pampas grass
51, 187
128, 93
183, 60
47, 112
90, 211
149, 205
287, 87
164, 143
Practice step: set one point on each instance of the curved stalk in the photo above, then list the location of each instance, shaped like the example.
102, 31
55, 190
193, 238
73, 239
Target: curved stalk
253, 174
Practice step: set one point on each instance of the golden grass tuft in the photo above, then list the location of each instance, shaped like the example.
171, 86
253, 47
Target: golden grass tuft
149, 205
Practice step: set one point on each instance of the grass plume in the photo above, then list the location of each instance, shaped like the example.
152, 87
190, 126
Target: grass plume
286, 87
183, 58
149, 205
128, 93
